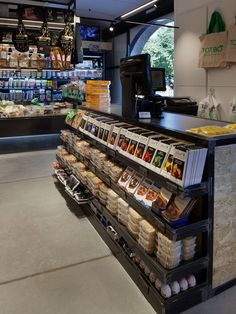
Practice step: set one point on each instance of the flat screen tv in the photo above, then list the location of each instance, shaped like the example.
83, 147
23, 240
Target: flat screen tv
90, 32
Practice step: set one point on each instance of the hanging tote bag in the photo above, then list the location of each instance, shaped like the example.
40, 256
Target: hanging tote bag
213, 44
231, 44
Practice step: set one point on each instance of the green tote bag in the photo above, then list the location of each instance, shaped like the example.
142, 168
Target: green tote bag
214, 44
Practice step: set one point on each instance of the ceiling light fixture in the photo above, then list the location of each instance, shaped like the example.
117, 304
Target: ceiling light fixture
138, 9
111, 28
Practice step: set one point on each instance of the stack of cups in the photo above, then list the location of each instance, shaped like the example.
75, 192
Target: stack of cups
112, 202
147, 236
123, 211
134, 222
168, 251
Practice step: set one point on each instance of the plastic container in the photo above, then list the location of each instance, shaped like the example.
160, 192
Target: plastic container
172, 250
122, 211
168, 264
112, 202
122, 220
165, 241
189, 241
169, 257
147, 228
134, 216
134, 226
123, 204
149, 248
112, 211
187, 257
133, 232
189, 249
147, 236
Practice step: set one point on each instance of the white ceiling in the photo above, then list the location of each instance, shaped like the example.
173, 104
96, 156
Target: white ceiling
106, 9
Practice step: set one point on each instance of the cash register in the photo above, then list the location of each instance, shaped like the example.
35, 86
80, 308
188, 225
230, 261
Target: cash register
140, 85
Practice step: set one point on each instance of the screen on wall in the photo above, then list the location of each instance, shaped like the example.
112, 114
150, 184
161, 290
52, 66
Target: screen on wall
90, 32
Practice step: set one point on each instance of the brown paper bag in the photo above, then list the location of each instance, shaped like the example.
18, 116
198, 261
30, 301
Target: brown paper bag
231, 45
213, 50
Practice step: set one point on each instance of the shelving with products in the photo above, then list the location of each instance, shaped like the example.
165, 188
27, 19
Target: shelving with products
101, 151
168, 286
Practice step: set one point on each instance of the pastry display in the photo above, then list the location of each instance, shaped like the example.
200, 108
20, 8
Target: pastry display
212, 130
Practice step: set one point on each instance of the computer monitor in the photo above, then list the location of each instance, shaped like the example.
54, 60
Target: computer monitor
158, 79
135, 75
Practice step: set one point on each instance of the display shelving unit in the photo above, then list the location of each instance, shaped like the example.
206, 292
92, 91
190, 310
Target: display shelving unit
202, 225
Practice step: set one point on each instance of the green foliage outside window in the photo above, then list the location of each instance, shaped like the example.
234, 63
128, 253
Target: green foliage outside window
161, 48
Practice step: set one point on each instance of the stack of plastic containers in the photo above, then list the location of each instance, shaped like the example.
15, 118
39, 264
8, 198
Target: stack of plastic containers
93, 183
134, 222
102, 194
123, 212
112, 202
147, 236
168, 252
189, 248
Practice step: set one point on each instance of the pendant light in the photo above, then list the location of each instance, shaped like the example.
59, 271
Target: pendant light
21, 40
67, 35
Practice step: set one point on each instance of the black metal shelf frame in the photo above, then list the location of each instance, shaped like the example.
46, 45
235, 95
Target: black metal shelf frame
166, 276
161, 225
176, 303
191, 191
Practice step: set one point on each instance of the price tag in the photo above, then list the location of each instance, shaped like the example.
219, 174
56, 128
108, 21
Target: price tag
144, 115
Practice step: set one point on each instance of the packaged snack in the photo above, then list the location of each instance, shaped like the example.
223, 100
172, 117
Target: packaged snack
161, 154
131, 140
152, 195
113, 141
179, 207
142, 191
163, 200
125, 177
134, 183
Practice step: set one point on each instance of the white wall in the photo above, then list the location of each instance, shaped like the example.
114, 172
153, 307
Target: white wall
193, 17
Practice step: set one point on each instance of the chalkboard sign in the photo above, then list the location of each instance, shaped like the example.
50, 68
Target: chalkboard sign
44, 38
67, 36
20, 40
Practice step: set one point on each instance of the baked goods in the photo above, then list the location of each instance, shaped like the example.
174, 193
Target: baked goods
212, 130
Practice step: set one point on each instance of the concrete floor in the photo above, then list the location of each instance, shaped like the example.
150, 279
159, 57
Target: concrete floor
51, 262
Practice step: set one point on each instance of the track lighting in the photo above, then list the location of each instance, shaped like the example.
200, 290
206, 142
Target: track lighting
139, 9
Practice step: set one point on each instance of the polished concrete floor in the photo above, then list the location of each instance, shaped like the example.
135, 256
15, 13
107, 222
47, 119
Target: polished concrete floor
51, 262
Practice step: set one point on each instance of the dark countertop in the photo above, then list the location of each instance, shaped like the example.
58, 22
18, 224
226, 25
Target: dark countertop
172, 123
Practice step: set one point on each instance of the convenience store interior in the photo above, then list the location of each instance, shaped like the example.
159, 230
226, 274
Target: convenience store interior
52, 258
